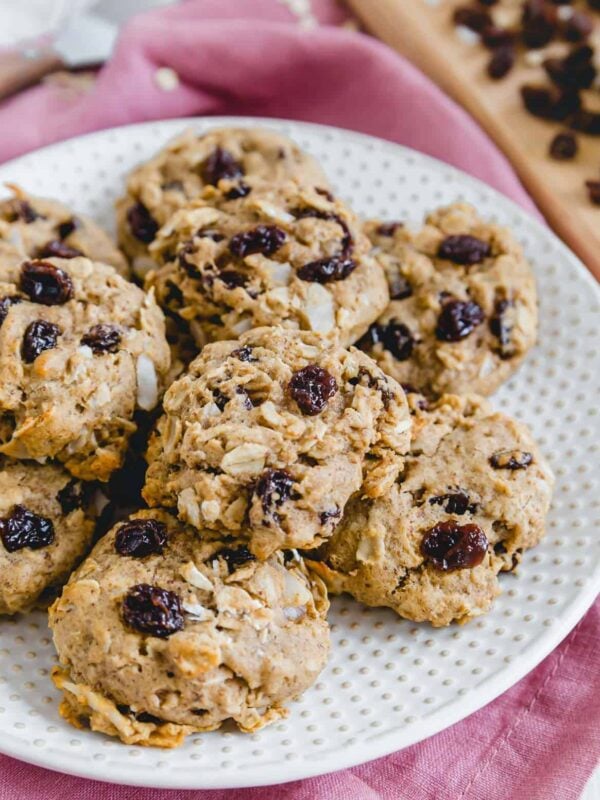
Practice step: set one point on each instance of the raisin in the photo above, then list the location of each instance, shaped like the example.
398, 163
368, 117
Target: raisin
232, 278
577, 27
68, 227
586, 122
552, 103
450, 546
73, 495
243, 354
593, 188
330, 515
241, 190
500, 327
219, 165
464, 249
57, 249
326, 270
388, 228
563, 147
476, 19
493, 36
501, 62
141, 537
141, 223
456, 502
396, 338
511, 459
311, 387
102, 338
144, 716
152, 610
274, 487
39, 336
399, 287
23, 211
458, 319
5, 305
22, 528
234, 557
44, 283
265, 239
538, 24
576, 71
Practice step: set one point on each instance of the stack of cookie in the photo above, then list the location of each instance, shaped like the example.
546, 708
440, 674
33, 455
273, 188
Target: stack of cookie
319, 430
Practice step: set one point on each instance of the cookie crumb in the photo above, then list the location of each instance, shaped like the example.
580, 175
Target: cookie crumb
166, 79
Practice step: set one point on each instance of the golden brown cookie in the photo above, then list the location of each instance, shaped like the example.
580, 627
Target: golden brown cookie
472, 496
463, 312
81, 349
269, 435
161, 632
47, 521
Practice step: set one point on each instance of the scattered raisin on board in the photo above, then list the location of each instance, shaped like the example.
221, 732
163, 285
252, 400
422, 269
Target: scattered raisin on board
563, 146
593, 188
541, 23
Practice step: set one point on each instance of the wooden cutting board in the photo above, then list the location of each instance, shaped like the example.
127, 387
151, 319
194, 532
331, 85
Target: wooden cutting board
423, 31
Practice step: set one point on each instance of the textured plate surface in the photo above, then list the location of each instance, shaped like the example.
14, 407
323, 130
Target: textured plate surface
389, 683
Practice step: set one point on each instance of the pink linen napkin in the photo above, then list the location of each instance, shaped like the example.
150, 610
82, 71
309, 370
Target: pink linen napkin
541, 739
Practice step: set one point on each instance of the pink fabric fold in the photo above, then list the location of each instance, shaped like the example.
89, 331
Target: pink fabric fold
541, 739
250, 57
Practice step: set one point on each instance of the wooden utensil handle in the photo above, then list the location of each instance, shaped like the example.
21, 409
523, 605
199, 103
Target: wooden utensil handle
424, 34
19, 69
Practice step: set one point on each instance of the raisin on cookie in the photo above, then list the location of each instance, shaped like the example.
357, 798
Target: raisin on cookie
473, 495
161, 632
35, 227
178, 173
47, 521
463, 312
81, 349
288, 256
269, 435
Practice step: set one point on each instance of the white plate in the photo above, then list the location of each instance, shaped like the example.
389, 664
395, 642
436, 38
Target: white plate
389, 683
